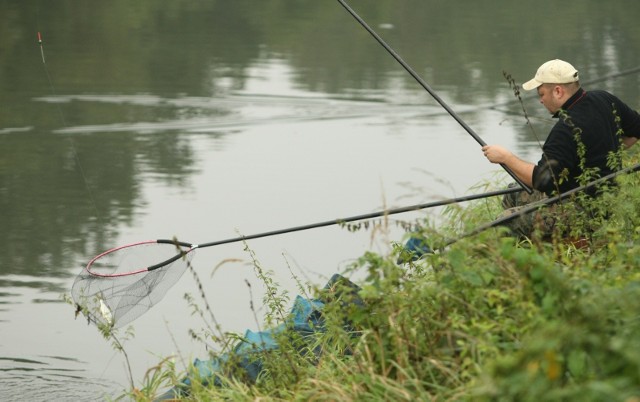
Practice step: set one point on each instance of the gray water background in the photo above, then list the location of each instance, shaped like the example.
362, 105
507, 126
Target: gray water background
209, 119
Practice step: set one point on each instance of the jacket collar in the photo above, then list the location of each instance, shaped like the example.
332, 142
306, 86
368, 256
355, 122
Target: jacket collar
575, 98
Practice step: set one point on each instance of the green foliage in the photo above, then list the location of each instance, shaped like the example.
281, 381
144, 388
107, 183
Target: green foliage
487, 319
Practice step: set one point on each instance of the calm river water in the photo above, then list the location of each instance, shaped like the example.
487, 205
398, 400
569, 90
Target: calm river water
204, 120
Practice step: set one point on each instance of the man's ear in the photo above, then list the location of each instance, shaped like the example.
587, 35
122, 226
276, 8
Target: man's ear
558, 91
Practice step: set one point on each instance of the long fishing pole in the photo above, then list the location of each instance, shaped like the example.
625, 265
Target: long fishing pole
498, 106
536, 205
120, 284
371, 215
428, 89
340, 221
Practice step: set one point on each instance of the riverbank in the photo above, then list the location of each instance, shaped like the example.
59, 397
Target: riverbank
488, 318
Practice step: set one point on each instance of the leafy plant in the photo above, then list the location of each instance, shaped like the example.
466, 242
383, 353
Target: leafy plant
487, 318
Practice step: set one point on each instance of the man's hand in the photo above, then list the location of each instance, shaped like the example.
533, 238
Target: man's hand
497, 153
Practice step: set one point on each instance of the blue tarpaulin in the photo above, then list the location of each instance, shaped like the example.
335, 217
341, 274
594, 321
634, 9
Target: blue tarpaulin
305, 321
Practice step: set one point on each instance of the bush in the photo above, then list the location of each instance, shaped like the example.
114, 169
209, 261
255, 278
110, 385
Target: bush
489, 318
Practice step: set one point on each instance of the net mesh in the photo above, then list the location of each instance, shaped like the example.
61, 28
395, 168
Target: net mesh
116, 287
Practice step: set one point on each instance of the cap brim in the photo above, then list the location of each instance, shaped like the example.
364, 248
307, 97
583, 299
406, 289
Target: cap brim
531, 84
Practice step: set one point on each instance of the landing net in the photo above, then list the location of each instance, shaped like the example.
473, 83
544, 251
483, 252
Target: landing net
121, 284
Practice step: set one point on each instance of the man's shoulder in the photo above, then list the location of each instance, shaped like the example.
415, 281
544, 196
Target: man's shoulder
561, 130
604, 95
600, 93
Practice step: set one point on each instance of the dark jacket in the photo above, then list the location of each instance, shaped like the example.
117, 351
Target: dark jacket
595, 119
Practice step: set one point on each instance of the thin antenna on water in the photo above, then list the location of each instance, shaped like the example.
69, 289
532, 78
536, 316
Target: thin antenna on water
41, 48
64, 123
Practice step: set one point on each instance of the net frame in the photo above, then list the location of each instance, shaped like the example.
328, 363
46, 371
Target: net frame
120, 284
99, 310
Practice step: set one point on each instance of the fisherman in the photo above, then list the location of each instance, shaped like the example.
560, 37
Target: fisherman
584, 144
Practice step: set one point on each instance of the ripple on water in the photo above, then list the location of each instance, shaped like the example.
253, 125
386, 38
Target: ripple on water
51, 379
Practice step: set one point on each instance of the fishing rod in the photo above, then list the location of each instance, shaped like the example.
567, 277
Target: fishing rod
429, 90
120, 284
419, 247
497, 106
538, 204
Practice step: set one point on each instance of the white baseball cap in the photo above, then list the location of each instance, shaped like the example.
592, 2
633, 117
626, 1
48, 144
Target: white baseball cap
552, 72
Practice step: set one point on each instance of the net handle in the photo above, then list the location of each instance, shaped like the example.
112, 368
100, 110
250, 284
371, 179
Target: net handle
191, 247
179, 255
494, 223
341, 221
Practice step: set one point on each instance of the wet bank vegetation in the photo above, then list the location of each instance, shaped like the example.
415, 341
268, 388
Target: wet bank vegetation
489, 317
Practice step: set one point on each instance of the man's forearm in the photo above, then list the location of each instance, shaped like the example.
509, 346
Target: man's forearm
522, 169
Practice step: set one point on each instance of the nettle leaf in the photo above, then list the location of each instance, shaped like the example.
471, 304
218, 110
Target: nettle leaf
549, 302
522, 257
577, 362
457, 258
472, 277
487, 276
537, 273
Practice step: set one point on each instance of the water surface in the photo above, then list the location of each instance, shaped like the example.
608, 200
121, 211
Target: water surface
207, 120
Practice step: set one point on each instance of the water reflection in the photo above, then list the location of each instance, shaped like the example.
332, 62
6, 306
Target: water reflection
197, 118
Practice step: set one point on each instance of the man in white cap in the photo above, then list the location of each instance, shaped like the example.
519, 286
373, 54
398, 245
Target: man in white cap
591, 128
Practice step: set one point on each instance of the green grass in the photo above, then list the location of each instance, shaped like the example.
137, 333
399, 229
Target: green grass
488, 319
